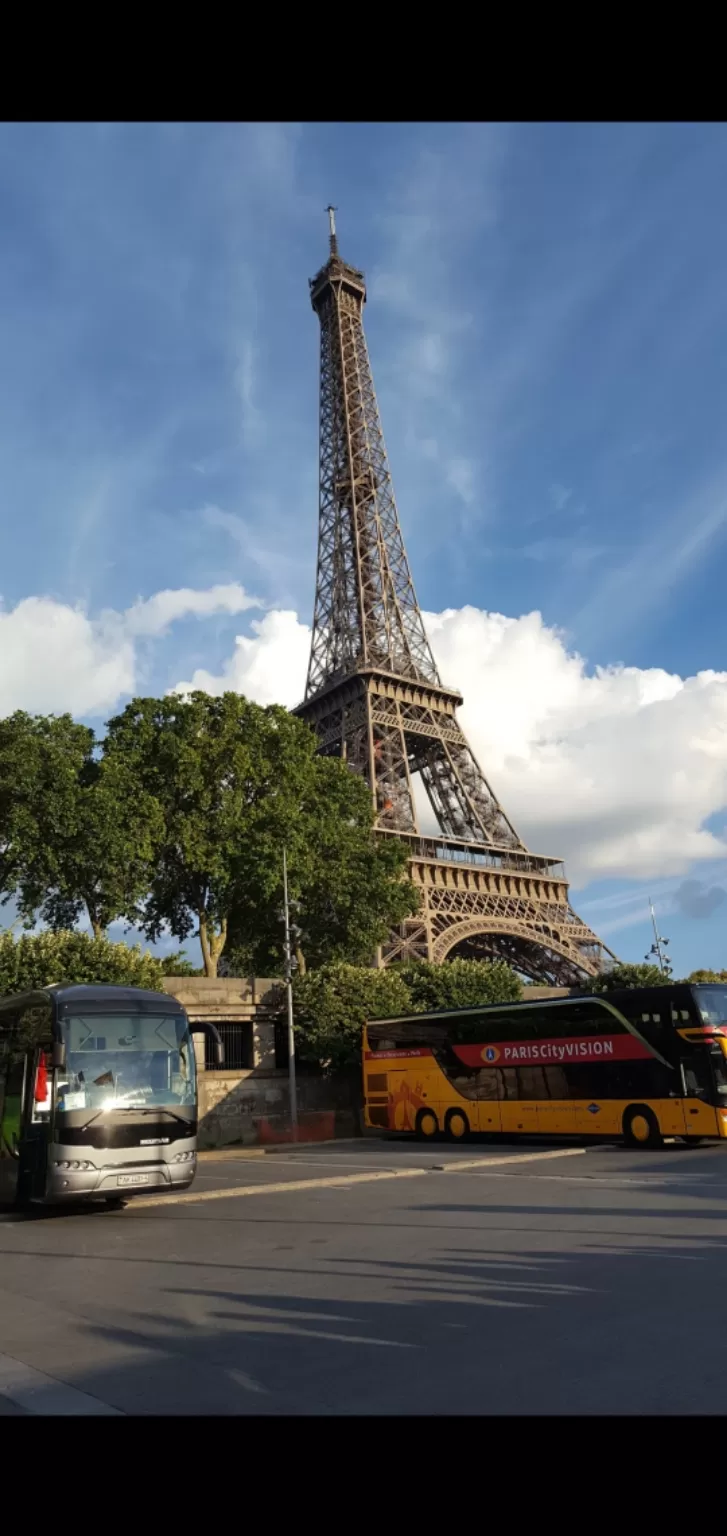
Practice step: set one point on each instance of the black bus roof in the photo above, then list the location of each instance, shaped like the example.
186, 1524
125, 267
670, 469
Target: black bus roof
95, 994
616, 996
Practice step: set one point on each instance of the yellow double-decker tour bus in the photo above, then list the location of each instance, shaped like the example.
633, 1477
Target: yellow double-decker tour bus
641, 1064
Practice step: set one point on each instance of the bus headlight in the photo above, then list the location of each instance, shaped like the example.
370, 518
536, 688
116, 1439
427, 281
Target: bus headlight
184, 1157
76, 1167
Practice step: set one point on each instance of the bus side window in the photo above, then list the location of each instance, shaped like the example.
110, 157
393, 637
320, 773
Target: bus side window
532, 1083
557, 1083
486, 1086
508, 1082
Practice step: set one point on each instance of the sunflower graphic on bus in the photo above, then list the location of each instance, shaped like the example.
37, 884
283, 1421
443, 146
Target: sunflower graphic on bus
404, 1103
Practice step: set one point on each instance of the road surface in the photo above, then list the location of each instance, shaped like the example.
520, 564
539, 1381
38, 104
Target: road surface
381, 1277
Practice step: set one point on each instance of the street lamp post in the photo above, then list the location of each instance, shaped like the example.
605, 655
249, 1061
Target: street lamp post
658, 947
289, 966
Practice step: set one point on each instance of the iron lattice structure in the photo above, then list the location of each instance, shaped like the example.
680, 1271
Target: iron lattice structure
374, 695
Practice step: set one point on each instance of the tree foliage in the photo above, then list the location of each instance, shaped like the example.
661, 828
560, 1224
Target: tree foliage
460, 984
40, 758
347, 886
237, 784
332, 1003
39, 960
228, 776
627, 976
707, 976
79, 834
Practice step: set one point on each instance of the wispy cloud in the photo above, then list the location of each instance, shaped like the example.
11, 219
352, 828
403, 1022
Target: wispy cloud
638, 585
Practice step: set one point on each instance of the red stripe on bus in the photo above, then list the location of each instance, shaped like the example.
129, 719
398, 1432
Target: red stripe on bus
554, 1052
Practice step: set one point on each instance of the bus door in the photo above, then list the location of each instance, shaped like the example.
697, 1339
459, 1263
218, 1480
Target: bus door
35, 1126
486, 1112
12, 1084
700, 1116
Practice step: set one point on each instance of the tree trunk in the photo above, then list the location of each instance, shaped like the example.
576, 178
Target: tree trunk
212, 943
98, 928
300, 957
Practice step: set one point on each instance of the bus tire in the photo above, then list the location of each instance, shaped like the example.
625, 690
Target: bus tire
426, 1124
457, 1125
641, 1127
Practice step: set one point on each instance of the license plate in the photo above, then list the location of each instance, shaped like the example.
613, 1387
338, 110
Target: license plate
133, 1178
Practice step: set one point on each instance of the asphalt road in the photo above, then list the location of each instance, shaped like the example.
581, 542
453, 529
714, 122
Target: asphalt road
381, 1277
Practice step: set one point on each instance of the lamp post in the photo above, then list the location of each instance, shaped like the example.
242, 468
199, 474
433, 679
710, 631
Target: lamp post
658, 947
289, 967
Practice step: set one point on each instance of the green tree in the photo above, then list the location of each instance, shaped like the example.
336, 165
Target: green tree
229, 777
460, 984
707, 976
347, 885
39, 960
105, 855
80, 832
332, 1004
40, 758
627, 976
178, 965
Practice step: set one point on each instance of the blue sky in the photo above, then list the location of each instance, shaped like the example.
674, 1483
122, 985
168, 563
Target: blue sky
547, 321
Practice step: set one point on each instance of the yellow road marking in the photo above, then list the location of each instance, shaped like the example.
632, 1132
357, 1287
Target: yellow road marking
346, 1180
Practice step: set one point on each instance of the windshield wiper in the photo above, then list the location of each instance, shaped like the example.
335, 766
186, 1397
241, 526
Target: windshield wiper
148, 1109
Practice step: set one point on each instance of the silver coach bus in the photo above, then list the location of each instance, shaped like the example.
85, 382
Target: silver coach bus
98, 1094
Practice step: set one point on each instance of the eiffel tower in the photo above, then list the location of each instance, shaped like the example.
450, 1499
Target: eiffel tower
375, 698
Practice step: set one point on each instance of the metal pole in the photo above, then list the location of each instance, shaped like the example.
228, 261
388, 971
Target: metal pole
657, 941
289, 990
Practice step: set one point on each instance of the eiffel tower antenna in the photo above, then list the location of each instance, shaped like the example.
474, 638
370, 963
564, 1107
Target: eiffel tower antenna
375, 698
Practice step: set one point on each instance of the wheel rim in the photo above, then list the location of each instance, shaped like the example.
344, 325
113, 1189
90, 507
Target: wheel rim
428, 1125
640, 1128
457, 1127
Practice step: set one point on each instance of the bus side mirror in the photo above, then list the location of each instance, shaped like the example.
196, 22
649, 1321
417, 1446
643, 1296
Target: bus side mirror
58, 1055
213, 1035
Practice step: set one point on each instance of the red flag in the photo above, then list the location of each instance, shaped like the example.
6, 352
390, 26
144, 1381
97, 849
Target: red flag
41, 1081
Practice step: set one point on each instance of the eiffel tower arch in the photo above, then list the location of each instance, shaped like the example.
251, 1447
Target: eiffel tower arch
375, 698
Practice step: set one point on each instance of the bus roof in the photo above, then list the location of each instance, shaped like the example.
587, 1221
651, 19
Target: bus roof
96, 994
616, 996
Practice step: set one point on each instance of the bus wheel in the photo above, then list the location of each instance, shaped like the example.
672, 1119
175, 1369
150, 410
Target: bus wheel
427, 1124
641, 1128
457, 1125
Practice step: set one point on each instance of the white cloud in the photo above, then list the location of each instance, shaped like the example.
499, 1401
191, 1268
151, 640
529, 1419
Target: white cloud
153, 615
270, 666
54, 657
617, 771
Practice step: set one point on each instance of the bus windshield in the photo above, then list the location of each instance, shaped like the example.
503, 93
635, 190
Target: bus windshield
712, 1004
126, 1061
